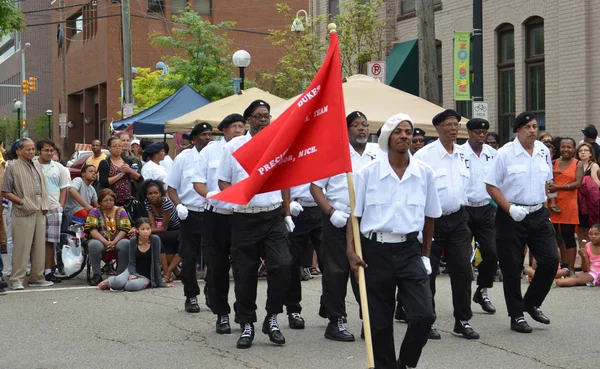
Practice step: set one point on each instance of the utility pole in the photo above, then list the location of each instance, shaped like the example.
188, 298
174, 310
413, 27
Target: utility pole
24, 78
62, 46
477, 52
428, 68
127, 73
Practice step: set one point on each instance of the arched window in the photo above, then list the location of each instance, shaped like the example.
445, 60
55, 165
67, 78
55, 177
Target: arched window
535, 74
506, 80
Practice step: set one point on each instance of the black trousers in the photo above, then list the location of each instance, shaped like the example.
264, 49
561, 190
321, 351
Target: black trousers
216, 243
452, 235
482, 224
308, 229
535, 231
248, 233
391, 265
190, 241
336, 271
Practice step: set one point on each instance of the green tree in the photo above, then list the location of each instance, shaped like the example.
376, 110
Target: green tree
150, 88
39, 127
8, 130
11, 18
201, 55
359, 26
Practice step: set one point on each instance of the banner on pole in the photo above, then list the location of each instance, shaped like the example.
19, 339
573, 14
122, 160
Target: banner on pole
462, 66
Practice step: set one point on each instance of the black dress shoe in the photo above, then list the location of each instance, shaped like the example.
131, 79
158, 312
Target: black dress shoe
271, 327
400, 365
222, 325
247, 336
537, 315
434, 335
520, 325
191, 305
296, 321
400, 314
481, 297
464, 328
337, 331
95, 280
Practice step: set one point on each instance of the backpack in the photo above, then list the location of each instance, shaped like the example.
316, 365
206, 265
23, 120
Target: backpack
134, 209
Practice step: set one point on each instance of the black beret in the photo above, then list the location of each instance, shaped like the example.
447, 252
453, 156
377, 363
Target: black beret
186, 136
353, 116
255, 105
199, 128
478, 123
152, 149
231, 118
522, 119
145, 142
418, 132
590, 132
448, 113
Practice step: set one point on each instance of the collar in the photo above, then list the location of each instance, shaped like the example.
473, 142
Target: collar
520, 150
51, 163
30, 162
442, 150
470, 152
386, 169
368, 151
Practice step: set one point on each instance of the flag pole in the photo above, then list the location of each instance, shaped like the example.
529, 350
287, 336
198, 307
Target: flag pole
362, 286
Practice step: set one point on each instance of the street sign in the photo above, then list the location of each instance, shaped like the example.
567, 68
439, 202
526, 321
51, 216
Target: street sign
377, 70
63, 130
62, 119
480, 110
236, 85
127, 110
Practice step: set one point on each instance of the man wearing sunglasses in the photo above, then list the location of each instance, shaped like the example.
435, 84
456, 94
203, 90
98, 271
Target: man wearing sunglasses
418, 140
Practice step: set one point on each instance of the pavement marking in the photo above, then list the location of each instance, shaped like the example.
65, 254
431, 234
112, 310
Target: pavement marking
50, 289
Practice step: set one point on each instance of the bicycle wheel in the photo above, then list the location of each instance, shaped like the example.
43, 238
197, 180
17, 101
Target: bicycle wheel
65, 238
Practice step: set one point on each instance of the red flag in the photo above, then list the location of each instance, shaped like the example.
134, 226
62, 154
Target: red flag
308, 142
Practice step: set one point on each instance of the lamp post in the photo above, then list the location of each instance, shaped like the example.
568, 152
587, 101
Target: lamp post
18, 106
49, 114
241, 59
297, 25
164, 67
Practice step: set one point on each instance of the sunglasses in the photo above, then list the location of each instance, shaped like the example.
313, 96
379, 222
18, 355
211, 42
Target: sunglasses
418, 140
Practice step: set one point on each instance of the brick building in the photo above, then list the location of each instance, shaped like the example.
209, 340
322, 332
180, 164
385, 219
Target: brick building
537, 55
94, 50
37, 58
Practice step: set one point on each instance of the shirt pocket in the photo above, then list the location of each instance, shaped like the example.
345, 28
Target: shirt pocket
188, 173
377, 202
416, 205
213, 168
517, 175
442, 177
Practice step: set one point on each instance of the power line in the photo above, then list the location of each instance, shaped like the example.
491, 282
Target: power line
63, 7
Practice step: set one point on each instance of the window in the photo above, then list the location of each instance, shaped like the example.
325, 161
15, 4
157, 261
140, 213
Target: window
75, 25
506, 80
334, 8
438, 53
534, 70
409, 6
156, 6
178, 6
202, 7
8, 46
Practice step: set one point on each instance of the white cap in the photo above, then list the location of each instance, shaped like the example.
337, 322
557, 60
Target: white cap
389, 126
134, 142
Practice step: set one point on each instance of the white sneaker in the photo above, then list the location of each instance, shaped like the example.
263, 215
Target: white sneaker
42, 283
17, 286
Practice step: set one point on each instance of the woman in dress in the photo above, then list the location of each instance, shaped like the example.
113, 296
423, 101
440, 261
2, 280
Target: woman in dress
118, 173
589, 193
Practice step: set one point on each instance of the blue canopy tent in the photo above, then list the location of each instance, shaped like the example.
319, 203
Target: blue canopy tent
152, 120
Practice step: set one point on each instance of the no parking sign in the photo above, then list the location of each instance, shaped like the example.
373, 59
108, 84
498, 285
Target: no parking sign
376, 69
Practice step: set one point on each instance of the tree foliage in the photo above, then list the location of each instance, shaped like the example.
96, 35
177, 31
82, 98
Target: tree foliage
11, 18
8, 130
150, 87
360, 29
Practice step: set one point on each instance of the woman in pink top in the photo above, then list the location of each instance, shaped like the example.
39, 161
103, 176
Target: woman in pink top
590, 263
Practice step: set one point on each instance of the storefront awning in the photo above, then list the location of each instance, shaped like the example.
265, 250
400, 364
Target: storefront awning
403, 67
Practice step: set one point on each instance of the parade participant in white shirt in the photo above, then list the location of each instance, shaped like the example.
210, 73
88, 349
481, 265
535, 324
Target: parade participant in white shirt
335, 205
479, 157
190, 209
396, 198
517, 182
451, 234
216, 233
418, 140
153, 155
262, 222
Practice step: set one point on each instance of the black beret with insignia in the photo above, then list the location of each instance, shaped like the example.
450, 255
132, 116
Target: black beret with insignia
441, 117
478, 123
522, 119
418, 132
199, 128
354, 116
255, 105
230, 119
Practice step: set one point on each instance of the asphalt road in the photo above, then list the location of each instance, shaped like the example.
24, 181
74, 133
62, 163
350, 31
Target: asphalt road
74, 326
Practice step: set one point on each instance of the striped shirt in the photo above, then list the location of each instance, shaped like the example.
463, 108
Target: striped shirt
167, 205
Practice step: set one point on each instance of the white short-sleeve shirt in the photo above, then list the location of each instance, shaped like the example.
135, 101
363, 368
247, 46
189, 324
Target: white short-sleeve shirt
180, 178
208, 167
231, 171
478, 166
301, 192
521, 177
451, 174
151, 170
389, 204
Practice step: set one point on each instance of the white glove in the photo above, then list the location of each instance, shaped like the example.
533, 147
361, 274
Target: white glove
182, 211
339, 218
518, 213
295, 208
289, 223
426, 264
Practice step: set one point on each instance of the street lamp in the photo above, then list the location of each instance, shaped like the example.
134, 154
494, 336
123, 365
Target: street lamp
241, 59
49, 114
297, 25
18, 106
164, 67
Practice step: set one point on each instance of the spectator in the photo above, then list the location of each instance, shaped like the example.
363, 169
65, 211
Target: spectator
493, 140
153, 155
107, 226
568, 175
167, 162
590, 133
136, 149
590, 263
97, 155
57, 182
81, 196
546, 138
25, 187
125, 138
589, 193
143, 270
117, 173
3, 284
164, 222
186, 142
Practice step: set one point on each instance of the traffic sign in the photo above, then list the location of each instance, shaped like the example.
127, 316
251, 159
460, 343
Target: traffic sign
236, 85
127, 110
62, 119
377, 70
480, 110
